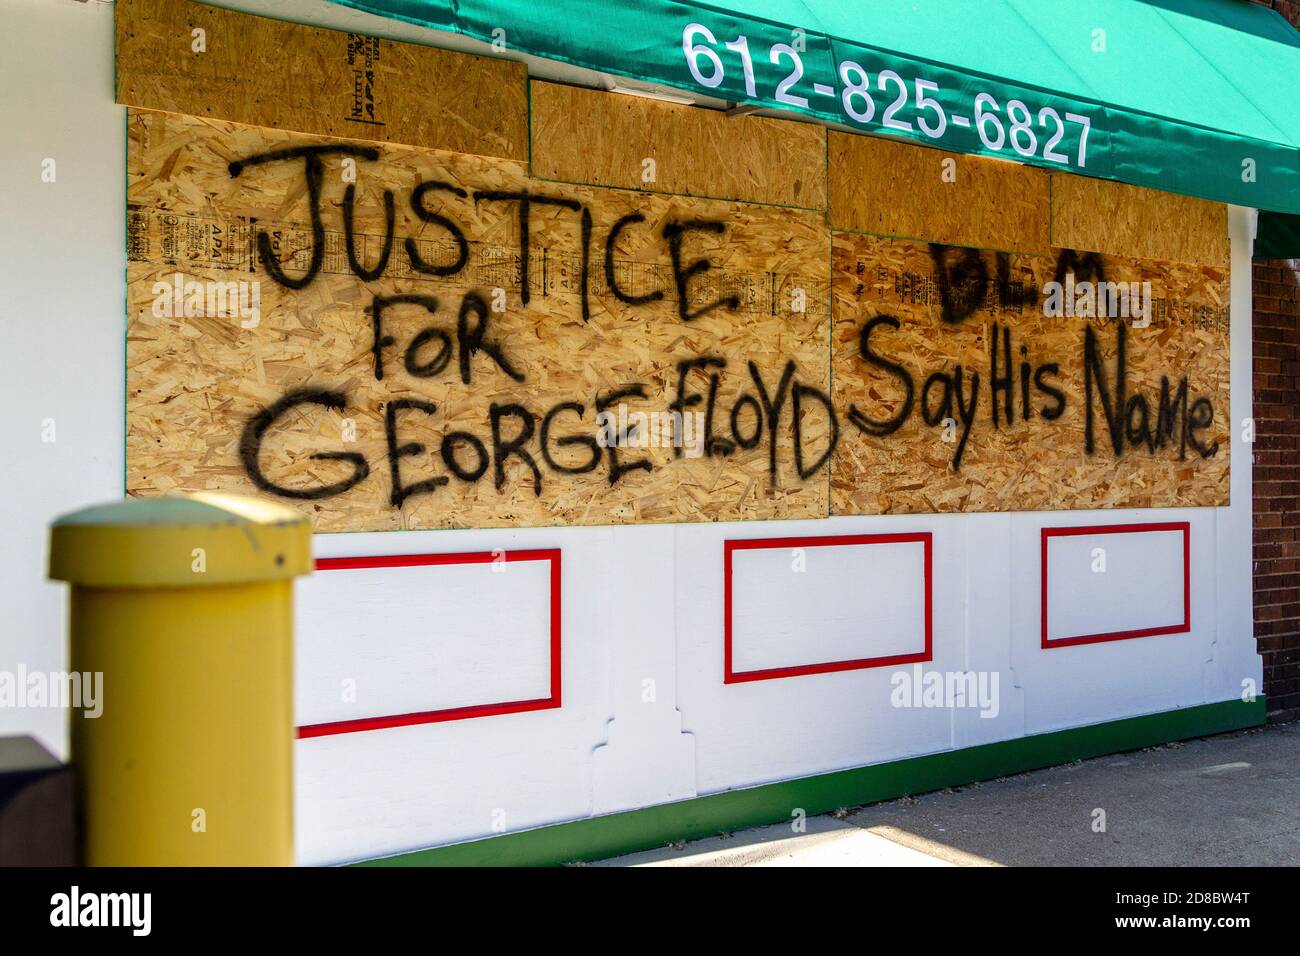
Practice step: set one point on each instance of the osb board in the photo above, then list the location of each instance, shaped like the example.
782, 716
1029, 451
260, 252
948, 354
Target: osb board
1125, 220
889, 459
591, 136
195, 383
892, 188
288, 76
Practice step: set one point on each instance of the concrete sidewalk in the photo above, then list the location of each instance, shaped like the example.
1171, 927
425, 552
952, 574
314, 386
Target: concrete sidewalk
1231, 800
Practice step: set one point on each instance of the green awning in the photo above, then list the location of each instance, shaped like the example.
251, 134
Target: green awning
1187, 96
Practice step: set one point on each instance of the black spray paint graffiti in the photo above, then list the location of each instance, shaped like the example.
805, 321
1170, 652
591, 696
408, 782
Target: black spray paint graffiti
674, 233
556, 440
964, 285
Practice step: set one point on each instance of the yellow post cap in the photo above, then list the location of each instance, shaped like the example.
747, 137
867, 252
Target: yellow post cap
195, 540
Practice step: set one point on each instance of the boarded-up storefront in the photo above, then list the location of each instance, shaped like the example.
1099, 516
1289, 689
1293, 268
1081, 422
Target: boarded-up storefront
584, 349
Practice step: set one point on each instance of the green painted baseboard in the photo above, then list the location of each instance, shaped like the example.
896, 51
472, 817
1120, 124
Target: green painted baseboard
599, 837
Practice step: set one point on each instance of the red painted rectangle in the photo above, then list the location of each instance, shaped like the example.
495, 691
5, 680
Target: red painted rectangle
453, 713
731, 676
1177, 628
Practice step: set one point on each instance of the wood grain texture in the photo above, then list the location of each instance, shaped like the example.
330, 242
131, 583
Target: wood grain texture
1024, 465
1125, 220
195, 382
591, 136
289, 76
891, 188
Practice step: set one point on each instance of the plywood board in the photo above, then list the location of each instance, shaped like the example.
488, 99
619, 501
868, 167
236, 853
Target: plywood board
202, 60
1125, 220
200, 385
892, 188
612, 139
910, 336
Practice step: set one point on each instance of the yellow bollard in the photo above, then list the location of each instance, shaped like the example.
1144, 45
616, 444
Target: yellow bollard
185, 604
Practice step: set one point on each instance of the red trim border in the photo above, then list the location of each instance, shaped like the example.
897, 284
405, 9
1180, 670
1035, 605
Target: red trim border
1186, 625
357, 725
729, 547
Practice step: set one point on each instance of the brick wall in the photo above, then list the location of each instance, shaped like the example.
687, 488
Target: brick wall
1277, 482
1277, 468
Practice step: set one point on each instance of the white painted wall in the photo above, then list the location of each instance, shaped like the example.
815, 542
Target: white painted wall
421, 638
810, 603
1100, 583
645, 715
62, 312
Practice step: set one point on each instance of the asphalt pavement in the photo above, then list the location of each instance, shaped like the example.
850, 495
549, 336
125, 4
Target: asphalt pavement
1229, 800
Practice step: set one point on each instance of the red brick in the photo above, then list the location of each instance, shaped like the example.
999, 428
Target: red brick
1275, 496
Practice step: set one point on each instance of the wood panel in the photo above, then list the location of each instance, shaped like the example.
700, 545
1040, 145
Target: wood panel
198, 383
892, 188
288, 76
1125, 220
916, 335
591, 136
520, 301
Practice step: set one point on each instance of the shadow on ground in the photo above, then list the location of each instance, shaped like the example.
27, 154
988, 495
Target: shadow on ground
1230, 800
